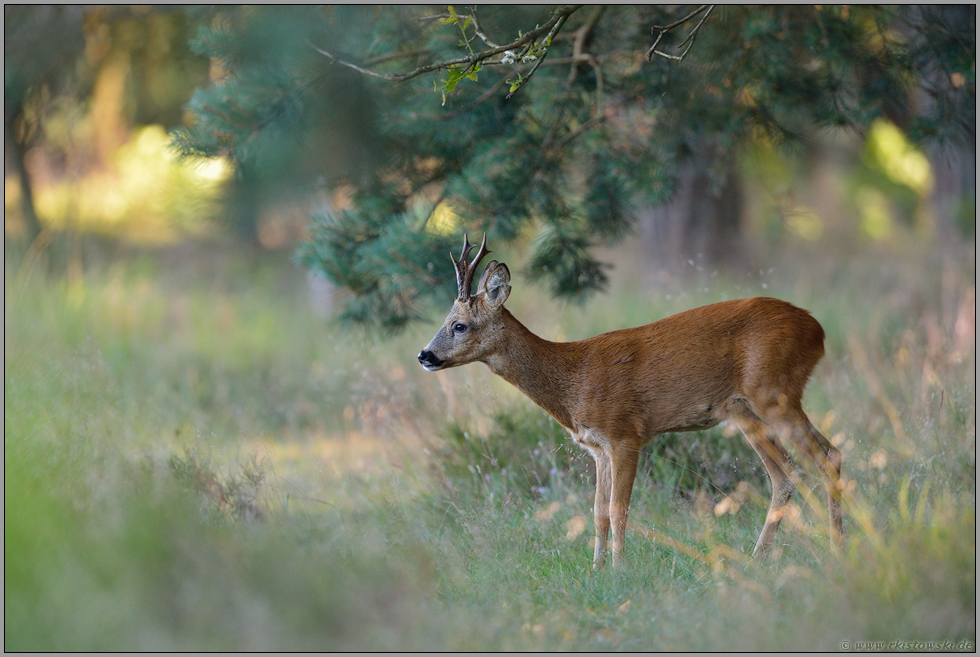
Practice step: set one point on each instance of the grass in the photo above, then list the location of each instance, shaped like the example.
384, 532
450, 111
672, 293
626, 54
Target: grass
195, 460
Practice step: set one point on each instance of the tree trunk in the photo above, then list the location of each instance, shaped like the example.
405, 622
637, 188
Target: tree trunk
244, 205
954, 192
953, 160
15, 151
701, 224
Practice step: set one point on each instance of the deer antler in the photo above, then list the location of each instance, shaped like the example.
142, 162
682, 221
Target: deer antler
464, 271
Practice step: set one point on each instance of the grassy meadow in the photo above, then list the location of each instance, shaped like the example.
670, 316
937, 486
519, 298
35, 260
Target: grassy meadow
195, 458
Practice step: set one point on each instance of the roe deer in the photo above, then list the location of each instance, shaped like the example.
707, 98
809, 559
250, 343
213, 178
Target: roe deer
745, 361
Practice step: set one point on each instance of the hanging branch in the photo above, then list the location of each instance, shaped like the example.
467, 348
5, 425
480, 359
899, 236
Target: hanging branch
479, 31
547, 47
551, 28
690, 37
581, 34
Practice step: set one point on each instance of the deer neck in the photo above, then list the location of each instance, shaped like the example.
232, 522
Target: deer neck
542, 370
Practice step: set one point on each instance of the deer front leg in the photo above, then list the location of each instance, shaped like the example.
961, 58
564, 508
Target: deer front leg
624, 461
603, 491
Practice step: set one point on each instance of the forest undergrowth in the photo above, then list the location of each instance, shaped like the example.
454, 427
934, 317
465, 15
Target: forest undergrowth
195, 458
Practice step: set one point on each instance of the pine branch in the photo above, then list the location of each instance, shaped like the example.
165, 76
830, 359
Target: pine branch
537, 64
551, 27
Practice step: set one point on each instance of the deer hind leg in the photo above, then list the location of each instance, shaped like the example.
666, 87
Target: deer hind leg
796, 425
624, 461
779, 466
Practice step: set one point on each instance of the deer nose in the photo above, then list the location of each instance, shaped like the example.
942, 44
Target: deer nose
429, 360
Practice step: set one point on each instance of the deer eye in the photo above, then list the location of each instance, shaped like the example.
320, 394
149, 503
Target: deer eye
459, 328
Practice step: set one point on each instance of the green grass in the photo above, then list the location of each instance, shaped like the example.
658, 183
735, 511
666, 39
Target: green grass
194, 459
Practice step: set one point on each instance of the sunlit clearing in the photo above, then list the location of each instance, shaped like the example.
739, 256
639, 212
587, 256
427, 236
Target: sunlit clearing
217, 170
148, 196
897, 158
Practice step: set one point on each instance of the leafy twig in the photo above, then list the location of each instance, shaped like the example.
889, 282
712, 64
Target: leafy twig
558, 17
547, 46
553, 61
462, 25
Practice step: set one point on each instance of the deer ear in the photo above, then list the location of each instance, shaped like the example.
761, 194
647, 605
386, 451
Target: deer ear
482, 285
494, 283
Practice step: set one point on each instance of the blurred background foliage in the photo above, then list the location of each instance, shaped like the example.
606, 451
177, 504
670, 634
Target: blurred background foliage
570, 160
817, 123
196, 457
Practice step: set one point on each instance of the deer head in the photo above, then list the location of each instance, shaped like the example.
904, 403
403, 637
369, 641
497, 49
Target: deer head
473, 329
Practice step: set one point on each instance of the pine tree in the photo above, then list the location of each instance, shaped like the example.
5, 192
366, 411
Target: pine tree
554, 123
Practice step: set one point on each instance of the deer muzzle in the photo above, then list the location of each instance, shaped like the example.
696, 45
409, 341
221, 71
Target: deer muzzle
430, 361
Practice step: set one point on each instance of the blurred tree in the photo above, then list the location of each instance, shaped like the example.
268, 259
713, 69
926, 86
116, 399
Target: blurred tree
556, 123
288, 119
115, 66
943, 54
39, 44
